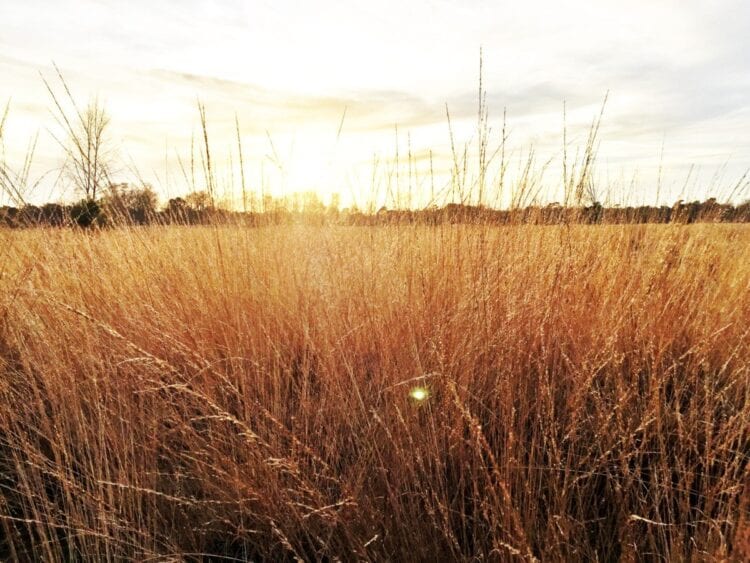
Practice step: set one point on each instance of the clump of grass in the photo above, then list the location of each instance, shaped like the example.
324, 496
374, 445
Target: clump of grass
245, 393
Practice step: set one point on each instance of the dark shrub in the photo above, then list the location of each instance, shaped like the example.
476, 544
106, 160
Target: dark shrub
87, 213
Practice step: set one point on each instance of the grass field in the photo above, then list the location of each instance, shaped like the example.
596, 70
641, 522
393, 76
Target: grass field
386, 393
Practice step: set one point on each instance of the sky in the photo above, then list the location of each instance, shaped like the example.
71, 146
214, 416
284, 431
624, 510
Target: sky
326, 93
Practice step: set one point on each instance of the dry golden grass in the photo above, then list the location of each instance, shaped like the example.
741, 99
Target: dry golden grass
171, 393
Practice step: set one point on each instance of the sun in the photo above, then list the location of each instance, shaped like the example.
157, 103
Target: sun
309, 162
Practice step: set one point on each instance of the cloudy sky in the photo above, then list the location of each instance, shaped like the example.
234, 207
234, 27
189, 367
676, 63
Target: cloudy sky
318, 89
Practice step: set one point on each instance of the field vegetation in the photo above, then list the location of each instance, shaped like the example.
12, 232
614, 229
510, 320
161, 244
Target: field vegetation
406, 393
465, 380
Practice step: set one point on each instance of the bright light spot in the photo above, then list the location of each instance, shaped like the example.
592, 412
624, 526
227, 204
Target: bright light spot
419, 393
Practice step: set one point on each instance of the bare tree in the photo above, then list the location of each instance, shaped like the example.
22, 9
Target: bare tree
86, 144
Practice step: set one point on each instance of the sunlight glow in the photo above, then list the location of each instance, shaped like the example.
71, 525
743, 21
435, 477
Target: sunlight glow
419, 394
287, 72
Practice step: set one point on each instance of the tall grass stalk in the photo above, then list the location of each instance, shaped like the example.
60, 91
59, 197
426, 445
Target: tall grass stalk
177, 393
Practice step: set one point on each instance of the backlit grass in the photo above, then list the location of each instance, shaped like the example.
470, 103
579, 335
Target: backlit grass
176, 392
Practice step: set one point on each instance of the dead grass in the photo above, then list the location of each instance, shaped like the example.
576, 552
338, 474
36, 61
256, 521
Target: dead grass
174, 393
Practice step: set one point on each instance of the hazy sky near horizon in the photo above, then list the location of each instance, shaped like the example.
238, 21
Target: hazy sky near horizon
677, 73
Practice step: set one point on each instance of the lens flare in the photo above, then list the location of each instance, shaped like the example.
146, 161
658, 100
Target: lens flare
419, 393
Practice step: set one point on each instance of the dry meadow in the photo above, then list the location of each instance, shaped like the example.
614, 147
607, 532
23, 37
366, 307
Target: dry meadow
405, 393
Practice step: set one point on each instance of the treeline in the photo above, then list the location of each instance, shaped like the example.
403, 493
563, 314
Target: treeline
126, 205
681, 212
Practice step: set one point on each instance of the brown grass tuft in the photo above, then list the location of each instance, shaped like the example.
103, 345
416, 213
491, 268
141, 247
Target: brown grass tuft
191, 392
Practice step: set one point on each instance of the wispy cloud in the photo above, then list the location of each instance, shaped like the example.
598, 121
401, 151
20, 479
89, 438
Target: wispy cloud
676, 72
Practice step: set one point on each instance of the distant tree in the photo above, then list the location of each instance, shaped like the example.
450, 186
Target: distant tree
176, 206
85, 143
311, 203
88, 213
53, 214
135, 205
293, 202
594, 212
198, 201
87, 148
267, 203
143, 203
335, 203
178, 211
9, 216
741, 212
